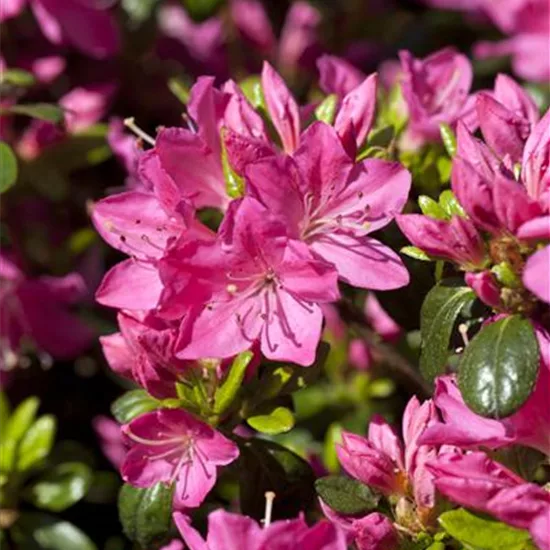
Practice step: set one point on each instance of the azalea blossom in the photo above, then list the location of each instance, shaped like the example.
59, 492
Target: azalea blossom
256, 283
475, 481
227, 531
37, 311
172, 446
332, 204
111, 439
85, 25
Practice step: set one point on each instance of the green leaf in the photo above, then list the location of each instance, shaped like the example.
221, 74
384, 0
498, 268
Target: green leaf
326, 110
4, 409
145, 514
227, 392
132, 404
381, 137
273, 421
498, 369
416, 253
450, 204
234, 184
42, 531
19, 422
17, 78
449, 139
431, 208
41, 111
506, 275
266, 466
438, 314
482, 534
346, 496
252, 89
8, 167
36, 443
61, 487
178, 87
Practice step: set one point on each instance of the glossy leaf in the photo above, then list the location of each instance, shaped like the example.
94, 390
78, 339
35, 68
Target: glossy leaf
8, 167
145, 514
449, 139
132, 404
36, 443
431, 208
483, 534
499, 367
450, 204
61, 487
346, 496
416, 253
234, 184
275, 421
226, 393
438, 315
252, 89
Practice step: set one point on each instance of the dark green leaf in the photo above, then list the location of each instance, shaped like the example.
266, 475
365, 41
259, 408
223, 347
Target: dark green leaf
498, 369
8, 167
132, 404
201, 9
227, 392
482, 534
145, 514
449, 139
36, 443
346, 496
438, 314
266, 466
42, 111
61, 487
326, 110
381, 137
35, 531
271, 420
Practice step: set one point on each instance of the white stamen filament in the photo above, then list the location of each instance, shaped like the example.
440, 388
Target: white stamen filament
463, 329
131, 124
269, 498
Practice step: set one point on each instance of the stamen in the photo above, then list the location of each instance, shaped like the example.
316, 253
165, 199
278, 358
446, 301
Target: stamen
131, 124
269, 498
463, 329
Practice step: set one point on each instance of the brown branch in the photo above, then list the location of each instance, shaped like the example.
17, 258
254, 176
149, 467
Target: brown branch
401, 368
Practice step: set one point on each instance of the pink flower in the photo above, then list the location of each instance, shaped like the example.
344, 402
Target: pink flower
379, 319
110, 439
226, 530
332, 205
506, 117
143, 351
84, 25
436, 91
170, 445
338, 76
475, 481
456, 239
384, 463
535, 274
259, 284
39, 310
371, 532
485, 286
253, 24
126, 150
463, 428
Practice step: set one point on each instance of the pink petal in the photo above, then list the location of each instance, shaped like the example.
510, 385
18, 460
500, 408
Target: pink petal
282, 108
535, 274
191, 536
337, 76
226, 530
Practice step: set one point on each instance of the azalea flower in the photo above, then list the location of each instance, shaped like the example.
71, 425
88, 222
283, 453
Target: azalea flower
258, 284
228, 531
172, 446
38, 311
332, 204
85, 25
475, 481
436, 90
111, 440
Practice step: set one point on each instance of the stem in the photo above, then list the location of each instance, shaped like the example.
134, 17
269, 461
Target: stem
401, 367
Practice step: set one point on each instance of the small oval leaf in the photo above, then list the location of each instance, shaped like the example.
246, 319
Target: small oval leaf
227, 392
438, 314
8, 167
498, 369
132, 404
277, 421
345, 495
36, 443
145, 514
